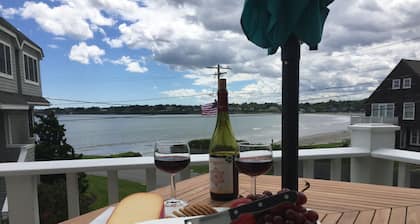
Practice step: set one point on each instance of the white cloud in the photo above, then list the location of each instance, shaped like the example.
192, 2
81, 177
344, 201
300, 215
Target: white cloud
84, 53
54, 46
8, 12
72, 18
132, 65
188, 35
202, 96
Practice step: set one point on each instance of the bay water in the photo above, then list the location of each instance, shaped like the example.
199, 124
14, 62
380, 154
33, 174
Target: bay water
108, 134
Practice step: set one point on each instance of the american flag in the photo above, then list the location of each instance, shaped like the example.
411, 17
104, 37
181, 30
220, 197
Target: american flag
209, 109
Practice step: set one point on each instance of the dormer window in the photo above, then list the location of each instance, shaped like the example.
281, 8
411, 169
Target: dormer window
31, 69
5, 63
407, 83
396, 84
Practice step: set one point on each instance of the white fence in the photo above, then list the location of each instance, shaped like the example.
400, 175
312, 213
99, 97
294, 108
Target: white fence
371, 155
357, 119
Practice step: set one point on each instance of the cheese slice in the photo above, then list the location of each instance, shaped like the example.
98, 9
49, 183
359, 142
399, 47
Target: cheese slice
137, 208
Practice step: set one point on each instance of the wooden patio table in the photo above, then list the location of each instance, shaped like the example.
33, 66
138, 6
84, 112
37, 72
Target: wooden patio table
336, 202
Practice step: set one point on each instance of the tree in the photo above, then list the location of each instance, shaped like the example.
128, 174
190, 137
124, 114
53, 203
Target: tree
52, 144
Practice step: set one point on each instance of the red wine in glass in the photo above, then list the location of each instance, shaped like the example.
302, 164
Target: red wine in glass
171, 164
254, 166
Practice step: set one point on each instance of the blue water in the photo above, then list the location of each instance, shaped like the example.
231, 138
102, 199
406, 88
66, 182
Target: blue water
107, 134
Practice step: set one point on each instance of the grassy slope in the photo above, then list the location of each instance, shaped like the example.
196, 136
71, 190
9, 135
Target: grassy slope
98, 187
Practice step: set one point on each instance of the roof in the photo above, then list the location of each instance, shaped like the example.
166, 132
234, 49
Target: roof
21, 100
413, 64
21, 37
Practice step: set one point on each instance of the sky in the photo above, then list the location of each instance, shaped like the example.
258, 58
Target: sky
108, 52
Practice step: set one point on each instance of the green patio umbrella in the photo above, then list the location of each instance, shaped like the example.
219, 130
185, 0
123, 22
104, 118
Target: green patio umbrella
272, 24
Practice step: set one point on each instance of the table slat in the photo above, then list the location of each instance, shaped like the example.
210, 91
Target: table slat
381, 216
331, 218
348, 218
413, 215
365, 217
398, 215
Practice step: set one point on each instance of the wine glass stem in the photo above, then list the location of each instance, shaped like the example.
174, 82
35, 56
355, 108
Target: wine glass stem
173, 187
254, 185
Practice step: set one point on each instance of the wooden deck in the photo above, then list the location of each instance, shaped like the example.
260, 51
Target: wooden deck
337, 202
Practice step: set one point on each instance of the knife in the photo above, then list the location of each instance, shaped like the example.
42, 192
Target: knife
226, 217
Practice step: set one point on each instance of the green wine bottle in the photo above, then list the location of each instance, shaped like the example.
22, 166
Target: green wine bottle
223, 151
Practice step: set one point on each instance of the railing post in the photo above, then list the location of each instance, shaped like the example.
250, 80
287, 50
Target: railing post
150, 178
372, 137
308, 168
277, 168
113, 193
335, 169
185, 173
22, 194
72, 186
403, 175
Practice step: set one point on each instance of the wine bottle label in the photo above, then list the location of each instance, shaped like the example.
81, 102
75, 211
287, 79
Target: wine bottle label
221, 174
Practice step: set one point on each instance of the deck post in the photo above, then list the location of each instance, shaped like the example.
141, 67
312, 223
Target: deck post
277, 168
335, 169
113, 194
72, 186
403, 175
151, 178
185, 173
22, 194
308, 168
372, 137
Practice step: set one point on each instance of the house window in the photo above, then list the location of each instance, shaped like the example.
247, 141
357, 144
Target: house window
415, 137
382, 110
408, 111
406, 83
5, 62
396, 84
31, 68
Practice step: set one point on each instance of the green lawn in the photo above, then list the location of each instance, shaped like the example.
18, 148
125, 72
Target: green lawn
98, 187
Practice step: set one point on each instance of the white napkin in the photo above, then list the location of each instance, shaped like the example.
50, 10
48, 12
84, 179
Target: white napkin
103, 217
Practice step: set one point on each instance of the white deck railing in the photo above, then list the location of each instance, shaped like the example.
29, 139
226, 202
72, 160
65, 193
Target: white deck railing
370, 153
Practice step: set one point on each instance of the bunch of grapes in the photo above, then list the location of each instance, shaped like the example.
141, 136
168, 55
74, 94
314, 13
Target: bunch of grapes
284, 213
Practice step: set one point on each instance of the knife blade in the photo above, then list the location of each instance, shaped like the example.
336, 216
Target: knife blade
261, 205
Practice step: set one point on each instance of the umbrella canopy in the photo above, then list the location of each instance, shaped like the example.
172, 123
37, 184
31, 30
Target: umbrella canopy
269, 23
286, 23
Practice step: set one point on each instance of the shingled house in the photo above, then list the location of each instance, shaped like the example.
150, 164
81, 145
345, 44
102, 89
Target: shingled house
399, 96
20, 91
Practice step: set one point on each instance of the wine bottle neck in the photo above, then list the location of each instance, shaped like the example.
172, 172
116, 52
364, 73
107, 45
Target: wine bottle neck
222, 104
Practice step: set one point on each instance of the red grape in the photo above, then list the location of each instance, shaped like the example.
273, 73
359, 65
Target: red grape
301, 198
311, 215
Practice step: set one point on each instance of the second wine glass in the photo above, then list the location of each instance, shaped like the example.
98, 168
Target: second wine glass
172, 157
254, 160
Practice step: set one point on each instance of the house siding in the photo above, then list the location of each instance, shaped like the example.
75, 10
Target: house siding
6, 84
385, 94
29, 88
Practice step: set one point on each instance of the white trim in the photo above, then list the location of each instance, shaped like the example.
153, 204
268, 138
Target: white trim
403, 85
394, 82
13, 34
38, 103
386, 109
417, 135
414, 111
24, 69
5, 75
13, 107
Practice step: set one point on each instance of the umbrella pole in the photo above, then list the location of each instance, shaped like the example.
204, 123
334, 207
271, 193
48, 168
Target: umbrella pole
290, 56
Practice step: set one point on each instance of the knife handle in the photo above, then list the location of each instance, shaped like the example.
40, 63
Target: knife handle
263, 204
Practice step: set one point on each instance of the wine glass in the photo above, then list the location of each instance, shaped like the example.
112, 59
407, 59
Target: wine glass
171, 157
254, 160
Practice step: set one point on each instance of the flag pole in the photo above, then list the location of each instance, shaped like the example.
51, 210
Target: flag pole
290, 56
